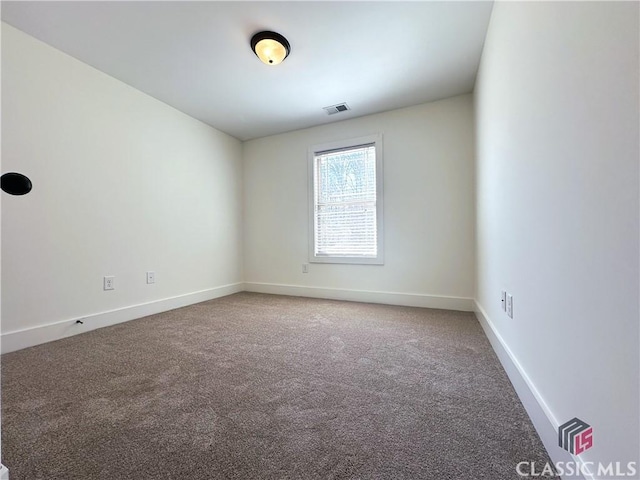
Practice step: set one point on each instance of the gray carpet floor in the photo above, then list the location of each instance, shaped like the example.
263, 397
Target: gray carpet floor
255, 386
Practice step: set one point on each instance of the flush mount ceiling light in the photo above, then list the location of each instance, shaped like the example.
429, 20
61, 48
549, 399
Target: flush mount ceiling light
270, 47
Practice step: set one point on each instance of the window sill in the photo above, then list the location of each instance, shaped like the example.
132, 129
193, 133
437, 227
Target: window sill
348, 260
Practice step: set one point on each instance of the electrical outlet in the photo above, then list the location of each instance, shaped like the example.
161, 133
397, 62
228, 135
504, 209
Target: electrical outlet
151, 277
305, 268
504, 300
510, 305
109, 283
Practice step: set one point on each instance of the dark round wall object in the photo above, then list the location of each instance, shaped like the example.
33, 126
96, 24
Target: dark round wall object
15, 183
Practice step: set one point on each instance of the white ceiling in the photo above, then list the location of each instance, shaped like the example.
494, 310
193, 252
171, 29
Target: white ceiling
195, 56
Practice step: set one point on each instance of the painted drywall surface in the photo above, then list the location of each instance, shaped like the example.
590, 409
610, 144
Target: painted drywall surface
428, 203
123, 184
557, 207
1, 195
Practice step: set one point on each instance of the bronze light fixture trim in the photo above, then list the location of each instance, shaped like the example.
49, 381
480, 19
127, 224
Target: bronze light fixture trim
270, 47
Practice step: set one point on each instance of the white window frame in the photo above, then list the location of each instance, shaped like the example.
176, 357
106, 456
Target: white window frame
375, 140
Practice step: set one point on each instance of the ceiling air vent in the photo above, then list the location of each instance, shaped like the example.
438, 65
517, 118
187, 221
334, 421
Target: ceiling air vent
341, 107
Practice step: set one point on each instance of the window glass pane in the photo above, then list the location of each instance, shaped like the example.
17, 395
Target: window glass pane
345, 202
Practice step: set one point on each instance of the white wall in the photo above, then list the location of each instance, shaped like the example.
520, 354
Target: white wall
428, 209
123, 184
3, 470
557, 209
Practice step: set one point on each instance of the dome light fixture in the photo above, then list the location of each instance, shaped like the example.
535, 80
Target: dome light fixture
270, 47
15, 183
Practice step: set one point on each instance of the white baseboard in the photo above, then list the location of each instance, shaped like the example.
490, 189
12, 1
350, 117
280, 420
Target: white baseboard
4, 473
28, 337
542, 417
366, 296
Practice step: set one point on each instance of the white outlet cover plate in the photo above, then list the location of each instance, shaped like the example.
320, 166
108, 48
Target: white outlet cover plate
109, 283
